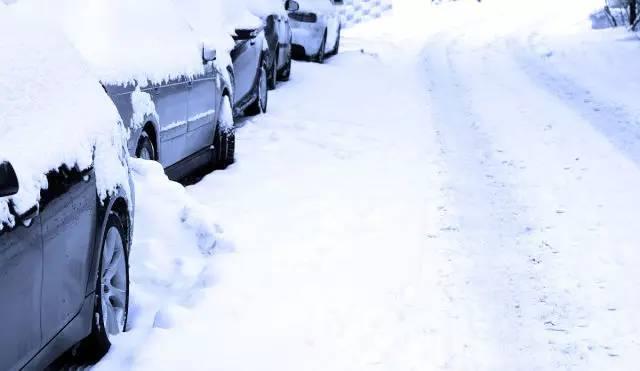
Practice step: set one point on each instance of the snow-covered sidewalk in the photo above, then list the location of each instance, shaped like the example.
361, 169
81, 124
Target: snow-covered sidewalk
330, 207
441, 195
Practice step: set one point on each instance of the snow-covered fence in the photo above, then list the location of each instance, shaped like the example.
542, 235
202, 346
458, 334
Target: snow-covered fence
357, 11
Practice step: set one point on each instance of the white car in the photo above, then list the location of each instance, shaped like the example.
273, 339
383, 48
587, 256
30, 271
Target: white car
316, 29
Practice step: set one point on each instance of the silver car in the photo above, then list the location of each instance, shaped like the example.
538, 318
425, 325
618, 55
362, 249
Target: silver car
316, 29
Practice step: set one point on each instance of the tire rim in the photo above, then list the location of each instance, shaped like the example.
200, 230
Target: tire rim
262, 89
113, 296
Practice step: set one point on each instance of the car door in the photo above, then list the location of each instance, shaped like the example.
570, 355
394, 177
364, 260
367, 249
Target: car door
20, 290
203, 103
171, 102
246, 57
68, 212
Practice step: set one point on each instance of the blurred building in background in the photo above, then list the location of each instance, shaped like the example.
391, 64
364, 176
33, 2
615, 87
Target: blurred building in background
357, 11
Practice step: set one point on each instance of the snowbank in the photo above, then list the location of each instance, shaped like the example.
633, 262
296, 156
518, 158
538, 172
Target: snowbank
173, 237
42, 78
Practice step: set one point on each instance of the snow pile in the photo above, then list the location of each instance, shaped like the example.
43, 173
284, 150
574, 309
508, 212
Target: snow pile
42, 126
173, 238
131, 40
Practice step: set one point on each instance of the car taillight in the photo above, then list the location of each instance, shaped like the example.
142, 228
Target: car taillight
304, 17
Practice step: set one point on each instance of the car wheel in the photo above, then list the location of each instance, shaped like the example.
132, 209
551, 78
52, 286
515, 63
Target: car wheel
262, 98
224, 146
321, 53
112, 292
336, 47
145, 149
285, 74
273, 73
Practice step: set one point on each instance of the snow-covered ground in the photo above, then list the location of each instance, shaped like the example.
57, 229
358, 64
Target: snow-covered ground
458, 193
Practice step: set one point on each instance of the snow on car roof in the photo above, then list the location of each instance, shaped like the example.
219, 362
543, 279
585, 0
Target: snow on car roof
208, 21
53, 111
126, 40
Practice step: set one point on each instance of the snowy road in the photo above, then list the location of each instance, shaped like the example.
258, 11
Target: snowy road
542, 180
462, 200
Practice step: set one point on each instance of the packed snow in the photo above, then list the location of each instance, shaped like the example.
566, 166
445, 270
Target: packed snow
42, 77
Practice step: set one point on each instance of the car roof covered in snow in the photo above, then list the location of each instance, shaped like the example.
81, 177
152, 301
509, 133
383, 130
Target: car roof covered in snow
53, 111
126, 41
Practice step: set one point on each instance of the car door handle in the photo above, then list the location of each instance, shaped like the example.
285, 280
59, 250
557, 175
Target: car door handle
190, 83
156, 91
252, 42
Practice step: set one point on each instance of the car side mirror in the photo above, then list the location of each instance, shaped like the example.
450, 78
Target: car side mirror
291, 6
208, 55
245, 34
8, 180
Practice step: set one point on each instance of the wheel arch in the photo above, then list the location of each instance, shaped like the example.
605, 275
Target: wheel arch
121, 204
150, 128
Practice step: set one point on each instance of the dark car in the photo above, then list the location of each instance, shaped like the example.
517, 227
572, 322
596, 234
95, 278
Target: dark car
66, 209
279, 39
64, 270
187, 128
249, 74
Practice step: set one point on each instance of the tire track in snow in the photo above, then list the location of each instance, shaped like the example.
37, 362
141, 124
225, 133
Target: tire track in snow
486, 223
614, 121
564, 172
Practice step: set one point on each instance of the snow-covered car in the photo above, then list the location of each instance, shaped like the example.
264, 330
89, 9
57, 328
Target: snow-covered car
316, 29
172, 94
65, 199
250, 71
278, 34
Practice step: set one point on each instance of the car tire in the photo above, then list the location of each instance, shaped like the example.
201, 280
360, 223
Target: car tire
224, 147
321, 52
145, 149
336, 47
285, 74
273, 73
261, 101
97, 344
